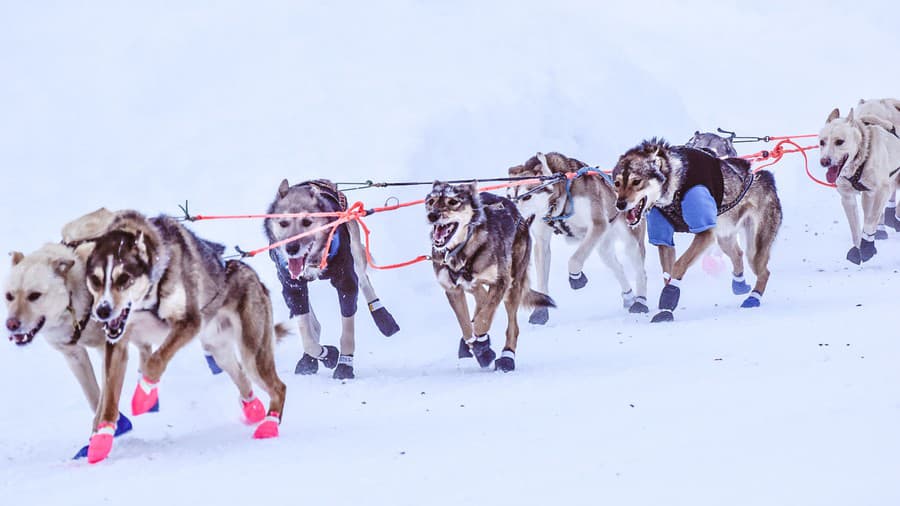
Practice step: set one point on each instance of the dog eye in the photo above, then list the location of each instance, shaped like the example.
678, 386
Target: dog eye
635, 182
430, 202
526, 198
618, 183
9, 296
452, 202
95, 281
284, 223
839, 142
822, 143
33, 296
123, 280
306, 222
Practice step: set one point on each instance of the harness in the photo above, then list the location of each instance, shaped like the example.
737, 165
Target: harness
673, 212
331, 191
558, 222
857, 175
77, 326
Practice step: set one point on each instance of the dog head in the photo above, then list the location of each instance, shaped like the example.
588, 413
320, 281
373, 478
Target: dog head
639, 178
301, 255
530, 204
120, 273
450, 209
839, 141
38, 291
718, 146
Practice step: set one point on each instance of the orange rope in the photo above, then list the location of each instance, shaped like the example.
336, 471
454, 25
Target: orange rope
779, 151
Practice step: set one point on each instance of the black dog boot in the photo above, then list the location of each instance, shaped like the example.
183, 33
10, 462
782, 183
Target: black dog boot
881, 233
639, 305
890, 218
577, 281
481, 348
464, 351
506, 362
867, 249
307, 365
539, 316
329, 356
383, 319
668, 301
344, 369
853, 256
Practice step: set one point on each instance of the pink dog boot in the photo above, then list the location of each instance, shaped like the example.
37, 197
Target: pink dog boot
146, 396
269, 427
254, 411
101, 442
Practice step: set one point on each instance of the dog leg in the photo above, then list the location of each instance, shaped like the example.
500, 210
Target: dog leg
577, 279
542, 235
114, 364
257, 348
344, 369
384, 320
671, 293
146, 394
80, 364
607, 252
485, 308
848, 201
873, 203
729, 245
507, 360
457, 300
759, 242
636, 253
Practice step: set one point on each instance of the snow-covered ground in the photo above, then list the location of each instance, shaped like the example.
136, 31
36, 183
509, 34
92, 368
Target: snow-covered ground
144, 106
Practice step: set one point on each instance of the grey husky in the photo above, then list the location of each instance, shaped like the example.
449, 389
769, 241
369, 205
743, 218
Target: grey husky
723, 147
146, 272
480, 244
655, 179
298, 263
584, 213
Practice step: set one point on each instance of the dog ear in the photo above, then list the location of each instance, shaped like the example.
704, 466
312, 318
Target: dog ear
61, 266
140, 243
545, 168
835, 114
84, 250
862, 101
850, 115
283, 188
16, 256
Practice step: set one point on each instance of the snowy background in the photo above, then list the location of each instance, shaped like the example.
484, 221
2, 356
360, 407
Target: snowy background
143, 106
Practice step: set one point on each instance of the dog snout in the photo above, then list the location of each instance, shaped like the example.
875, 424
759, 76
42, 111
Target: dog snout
292, 248
825, 161
13, 324
433, 217
104, 310
621, 204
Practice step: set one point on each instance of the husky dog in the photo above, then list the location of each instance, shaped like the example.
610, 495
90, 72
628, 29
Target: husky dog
143, 273
723, 147
862, 157
584, 213
298, 263
480, 244
683, 189
886, 109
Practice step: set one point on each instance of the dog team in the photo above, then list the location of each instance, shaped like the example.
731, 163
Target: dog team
120, 278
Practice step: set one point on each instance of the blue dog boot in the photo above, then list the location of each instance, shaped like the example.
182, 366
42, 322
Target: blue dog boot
577, 281
854, 256
213, 366
383, 319
307, 365
663, 316
154, 408
738, 285
330, 356
752, 300
881, 233
481, 348
539, 316
506, 362
890, 218
867, 250
123, 426
639, 306
82, 453
464, 351
344, 369
668, 301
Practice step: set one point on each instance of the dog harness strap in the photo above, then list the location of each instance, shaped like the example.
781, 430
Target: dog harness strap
78, 326
748, 182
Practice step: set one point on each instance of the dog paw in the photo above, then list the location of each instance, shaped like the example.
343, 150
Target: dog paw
639, 305
101, 442
577, 281
384, 320
481, 348
669, 297
331, 356
663, 316
464, 351
307, 365
866, 250
213, 366
269, 427
343, 371
854, 256
146, 397
539, 316
881, 234
506, 362
752, 301
254, 411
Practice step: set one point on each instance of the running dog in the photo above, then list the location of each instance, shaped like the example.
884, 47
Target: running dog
681, 189
298, 263
723, 147
862, 157
582, 210
480, 244
886, 109
146, 275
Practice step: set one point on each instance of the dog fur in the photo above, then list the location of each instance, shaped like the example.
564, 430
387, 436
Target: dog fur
861, 156
594, 225
723, 147
652, 174
298, 263
481, 245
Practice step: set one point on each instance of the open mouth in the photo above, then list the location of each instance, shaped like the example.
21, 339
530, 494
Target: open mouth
27, 337
297, 264
116, 327
441, 233
633, 216
835, 170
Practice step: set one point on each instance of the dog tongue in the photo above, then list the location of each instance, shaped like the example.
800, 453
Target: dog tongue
296, 265
832, 174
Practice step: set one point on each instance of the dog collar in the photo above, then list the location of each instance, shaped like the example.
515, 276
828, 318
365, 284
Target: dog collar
77, 326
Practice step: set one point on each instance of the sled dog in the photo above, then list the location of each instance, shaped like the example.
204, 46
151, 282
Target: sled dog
298, 263
886, 109
480, 244
583, 213
681, 189
153, 279
723, 147
861, 156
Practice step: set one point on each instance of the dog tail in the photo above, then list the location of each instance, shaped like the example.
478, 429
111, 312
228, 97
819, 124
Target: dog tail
282, 330
534, 299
